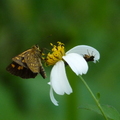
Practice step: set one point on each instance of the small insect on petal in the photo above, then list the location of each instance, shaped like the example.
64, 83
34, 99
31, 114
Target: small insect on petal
88, 58
88, 52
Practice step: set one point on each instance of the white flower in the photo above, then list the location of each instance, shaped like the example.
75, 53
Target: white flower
76, 58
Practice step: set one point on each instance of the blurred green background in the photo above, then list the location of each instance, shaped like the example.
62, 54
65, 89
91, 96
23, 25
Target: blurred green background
24, 23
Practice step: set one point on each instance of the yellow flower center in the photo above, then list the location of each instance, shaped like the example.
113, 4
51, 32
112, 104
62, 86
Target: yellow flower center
56, 55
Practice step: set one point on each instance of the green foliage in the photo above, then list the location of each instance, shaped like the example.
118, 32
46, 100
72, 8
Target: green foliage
98, 96
110, 111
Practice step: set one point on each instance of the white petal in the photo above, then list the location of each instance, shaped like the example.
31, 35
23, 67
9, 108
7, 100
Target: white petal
58, 79
85, 49
54, 101
77, 63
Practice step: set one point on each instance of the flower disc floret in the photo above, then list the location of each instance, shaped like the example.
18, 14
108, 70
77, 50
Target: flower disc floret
57, 53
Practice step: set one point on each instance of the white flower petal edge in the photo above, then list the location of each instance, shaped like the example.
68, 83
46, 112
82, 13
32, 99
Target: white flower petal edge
54, 101
77, 63
58, 79
85, 49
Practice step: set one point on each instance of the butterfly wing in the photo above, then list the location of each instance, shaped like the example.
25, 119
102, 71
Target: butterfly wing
27, 64
20, 58
21, 71
33, 62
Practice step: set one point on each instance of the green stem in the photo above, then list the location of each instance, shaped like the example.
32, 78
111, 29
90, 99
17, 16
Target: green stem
97, 102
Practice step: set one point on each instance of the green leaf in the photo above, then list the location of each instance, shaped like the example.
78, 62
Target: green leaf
98, 96
109, 111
